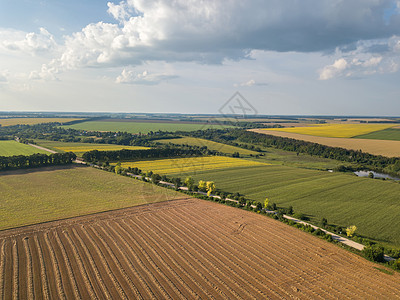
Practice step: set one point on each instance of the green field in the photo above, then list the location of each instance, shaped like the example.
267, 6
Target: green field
140, 127
209, 144
29, 197
10, 148
392, 134
370, 204
80, 148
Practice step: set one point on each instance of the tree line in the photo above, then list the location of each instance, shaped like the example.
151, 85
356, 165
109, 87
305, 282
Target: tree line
125, 154
35, 160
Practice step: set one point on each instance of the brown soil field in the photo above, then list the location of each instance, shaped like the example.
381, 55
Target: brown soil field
377, 147
178, 250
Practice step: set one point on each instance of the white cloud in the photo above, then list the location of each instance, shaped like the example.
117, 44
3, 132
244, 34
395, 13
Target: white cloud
365, 59
251, 82
31, 43
210, 31
145, 78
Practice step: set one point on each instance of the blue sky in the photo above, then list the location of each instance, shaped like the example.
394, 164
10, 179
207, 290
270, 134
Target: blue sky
326, 57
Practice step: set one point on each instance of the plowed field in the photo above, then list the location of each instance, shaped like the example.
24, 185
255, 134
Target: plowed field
181, 249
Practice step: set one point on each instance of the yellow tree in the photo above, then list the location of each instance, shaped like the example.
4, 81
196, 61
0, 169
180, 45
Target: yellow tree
202, 185
350, 230
210, 187
266, 202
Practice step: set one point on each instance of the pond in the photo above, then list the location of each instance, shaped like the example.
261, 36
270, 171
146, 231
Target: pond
365, 173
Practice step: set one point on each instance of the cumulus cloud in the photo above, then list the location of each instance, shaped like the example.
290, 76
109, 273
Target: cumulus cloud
31, 43
210, 31
145, 78
385, 58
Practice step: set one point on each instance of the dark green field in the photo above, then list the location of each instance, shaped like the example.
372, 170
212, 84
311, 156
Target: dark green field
391, 134
370, 204
141, 127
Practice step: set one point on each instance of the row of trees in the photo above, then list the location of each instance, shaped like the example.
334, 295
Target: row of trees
125, 154
35, 160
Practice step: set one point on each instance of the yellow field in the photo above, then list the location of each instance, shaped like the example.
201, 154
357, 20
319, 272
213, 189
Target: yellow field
33, 121
335, 130
190, 164
107, 147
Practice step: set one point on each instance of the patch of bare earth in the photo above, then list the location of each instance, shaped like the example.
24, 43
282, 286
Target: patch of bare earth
377, 147
178, 250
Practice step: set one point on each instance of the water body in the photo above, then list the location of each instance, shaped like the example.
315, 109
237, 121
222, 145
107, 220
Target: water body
365, 173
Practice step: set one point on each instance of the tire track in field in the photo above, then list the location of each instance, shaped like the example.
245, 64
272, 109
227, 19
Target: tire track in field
88, 283
15, 289
132, 268
2, 267
117, 262
178, 266
156, 245
56, 268
29, 270
217, 269
212, 252
104, 262
160, 271
92, 265
43, 276
152, 277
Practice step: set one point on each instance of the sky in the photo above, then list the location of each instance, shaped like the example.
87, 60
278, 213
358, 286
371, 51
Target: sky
309, 57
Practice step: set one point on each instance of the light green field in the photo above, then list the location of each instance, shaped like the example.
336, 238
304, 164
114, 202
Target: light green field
80, 148
10, 148
370, 204
140, 127
391, 134
209, 144
57, 193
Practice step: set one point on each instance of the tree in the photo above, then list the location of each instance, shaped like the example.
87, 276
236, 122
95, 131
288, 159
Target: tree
266, 202
351, 230
324, 222
202, 186
210, 187
258, 206
374, 253
155, 178
177, 182
189, 182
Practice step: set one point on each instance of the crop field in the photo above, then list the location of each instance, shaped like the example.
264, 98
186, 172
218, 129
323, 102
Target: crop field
370, 204
377, 147
335, 130
209, 144
80, 148
186, 249
10, 148
392, 134
34, 196
190, 164
33, 121
140, 127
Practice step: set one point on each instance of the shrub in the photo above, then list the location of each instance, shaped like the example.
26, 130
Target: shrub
374, 253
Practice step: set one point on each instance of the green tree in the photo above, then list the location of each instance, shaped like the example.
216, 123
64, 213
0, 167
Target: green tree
155, 178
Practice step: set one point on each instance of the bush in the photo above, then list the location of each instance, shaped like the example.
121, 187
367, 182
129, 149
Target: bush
374, 253
300, 216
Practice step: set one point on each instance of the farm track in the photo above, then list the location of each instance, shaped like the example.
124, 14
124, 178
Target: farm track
183, 249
